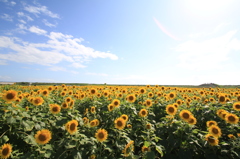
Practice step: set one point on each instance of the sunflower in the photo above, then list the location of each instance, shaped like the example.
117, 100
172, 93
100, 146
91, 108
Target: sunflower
10, 96
185, 115
43, 136
172, 95
110, 107
231, 118
93, 91
179, 101
150, 94
96, 122
37, 101
222, 99
101, 135
92, 157
5, 151
120, 123
143, 113
236, 106
128, 149
55, 108
85, 120
129, 126
215, 131
142, 90
71, 126
145, 149
124, 117
45, 92
63, 93
171, 110
93, 109
148, 103
192, 120
210, 123
131, 98
213, 141
116, 103
231, 136
71, 104
148, 126
68, 99
93, 123
64, 105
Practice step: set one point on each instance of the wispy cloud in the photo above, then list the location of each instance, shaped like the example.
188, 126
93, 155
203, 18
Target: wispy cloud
3, 62
48, 23
40, 10
96, 74
207, 54
7, 17
10, 3
21, 14
37, 30
60, 47
164, 30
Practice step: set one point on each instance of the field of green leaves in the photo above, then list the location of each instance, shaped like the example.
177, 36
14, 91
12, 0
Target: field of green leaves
94, 122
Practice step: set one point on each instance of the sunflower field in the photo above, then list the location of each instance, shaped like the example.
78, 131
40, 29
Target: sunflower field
128, 122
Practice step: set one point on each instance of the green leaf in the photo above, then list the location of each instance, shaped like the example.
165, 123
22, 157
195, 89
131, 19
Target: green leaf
78, 156
147, 144
5, 138
150, 155
159, 150
11, 120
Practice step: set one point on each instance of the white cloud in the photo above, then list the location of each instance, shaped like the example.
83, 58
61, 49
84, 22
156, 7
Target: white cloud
3, 62
57, 68
5, 78
40, 10
13, 3
7, 17
48, 24
21, 14
37, 30
60, 47
22, 21
77, 65
96, 74
207, 54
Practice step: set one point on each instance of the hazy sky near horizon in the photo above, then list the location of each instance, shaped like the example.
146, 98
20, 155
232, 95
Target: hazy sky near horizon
184, 42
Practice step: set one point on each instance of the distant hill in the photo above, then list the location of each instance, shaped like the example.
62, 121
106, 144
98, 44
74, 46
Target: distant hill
207, 85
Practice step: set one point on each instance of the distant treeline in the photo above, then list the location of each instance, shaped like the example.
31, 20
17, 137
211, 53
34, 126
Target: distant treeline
205, 85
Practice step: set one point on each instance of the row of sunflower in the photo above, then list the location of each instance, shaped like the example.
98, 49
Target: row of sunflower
119, 122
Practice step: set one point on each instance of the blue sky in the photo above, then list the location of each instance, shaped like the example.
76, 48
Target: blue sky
187, 42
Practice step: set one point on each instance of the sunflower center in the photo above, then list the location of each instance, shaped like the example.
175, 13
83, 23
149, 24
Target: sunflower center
231, 118
215, 131
93, 91
186, 115
42, 137
37, 101
116, 103
211, 140
5, 151
101, 135
119, 123
238, 106
10, 96
72, 126
222, 99
148, 103
130, 98
64, 105
55, 109
144, 112
171, 95
171, 109
124, 117
68, 100
45, 92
